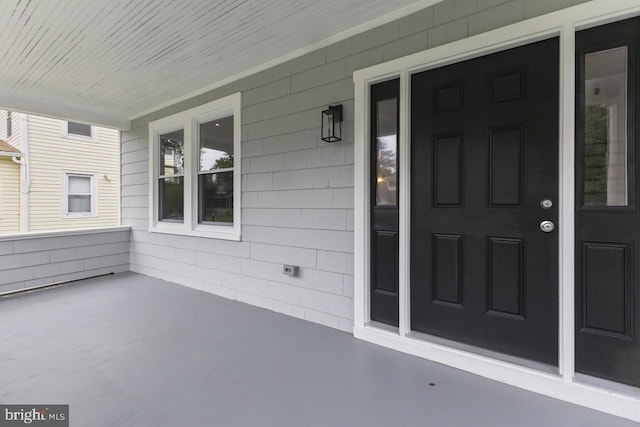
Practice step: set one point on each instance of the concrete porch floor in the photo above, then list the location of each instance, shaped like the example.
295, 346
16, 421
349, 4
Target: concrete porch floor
130, 350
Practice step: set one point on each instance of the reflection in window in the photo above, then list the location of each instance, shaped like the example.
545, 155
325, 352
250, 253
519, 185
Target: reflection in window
605, 128
171, 192
171, 179
215, 171
386, 148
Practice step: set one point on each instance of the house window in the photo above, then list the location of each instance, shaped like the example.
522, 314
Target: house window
215, 171
79, 195
171, 177
9, 130
79, 130
194, 186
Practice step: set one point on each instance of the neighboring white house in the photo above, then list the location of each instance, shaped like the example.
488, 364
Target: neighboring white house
65, 175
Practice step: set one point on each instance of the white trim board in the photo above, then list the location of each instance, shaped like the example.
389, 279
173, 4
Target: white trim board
63, 233
563, 24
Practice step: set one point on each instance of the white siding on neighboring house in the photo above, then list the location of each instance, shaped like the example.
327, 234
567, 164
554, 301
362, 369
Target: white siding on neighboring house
9, 196
52, 154
16, 129
297, 191
10, 177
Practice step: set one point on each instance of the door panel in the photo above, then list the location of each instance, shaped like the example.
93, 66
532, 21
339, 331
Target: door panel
484, 155
385, 108
607, 220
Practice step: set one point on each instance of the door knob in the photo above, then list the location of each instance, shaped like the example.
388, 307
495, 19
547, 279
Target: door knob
547, 226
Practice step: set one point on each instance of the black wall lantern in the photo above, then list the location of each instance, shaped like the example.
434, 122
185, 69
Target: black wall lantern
332, 123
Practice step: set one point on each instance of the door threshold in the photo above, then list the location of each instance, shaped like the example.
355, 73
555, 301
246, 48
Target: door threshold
468, 348
383, 326
604, 384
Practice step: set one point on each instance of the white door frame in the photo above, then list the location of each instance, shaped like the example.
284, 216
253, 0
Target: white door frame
561, 385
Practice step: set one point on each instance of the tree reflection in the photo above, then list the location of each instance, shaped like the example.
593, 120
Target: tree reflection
386, 170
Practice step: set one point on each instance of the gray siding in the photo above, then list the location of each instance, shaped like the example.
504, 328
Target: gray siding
297, 191
36, 260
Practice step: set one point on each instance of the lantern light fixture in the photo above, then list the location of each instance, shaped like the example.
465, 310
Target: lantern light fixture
332, 123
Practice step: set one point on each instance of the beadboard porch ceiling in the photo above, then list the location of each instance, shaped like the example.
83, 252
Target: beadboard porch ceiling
107, 62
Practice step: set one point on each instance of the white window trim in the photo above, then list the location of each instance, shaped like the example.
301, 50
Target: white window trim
189, 121
65, 195
561, 385
66, 134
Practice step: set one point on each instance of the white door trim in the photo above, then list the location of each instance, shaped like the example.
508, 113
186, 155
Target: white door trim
562, 385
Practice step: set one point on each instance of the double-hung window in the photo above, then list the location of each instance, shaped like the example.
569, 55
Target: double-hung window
195, 174
79, 195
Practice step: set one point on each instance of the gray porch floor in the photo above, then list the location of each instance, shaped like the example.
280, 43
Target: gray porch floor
129, 350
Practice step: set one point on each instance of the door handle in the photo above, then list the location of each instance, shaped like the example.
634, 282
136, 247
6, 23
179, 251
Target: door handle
547, 226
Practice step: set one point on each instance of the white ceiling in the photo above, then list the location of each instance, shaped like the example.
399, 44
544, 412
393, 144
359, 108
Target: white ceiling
109, 61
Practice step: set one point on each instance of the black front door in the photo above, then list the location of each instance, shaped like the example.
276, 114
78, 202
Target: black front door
607, 202
484, 179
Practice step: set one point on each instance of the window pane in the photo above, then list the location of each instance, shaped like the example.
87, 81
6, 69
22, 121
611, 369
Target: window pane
215, 197
605, 128
216, 144
387, 143
79, 129
172, 153
79, 184
79, 203
171, 199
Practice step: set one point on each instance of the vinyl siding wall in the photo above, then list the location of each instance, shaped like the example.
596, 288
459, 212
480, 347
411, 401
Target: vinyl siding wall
51, 154
9, 196
297, 191
16, 128
10, 177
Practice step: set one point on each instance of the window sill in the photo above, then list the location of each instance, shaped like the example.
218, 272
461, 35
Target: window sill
82, 215
80, 138
209, 232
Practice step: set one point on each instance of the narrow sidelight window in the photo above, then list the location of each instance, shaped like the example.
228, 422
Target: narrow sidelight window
605, 149
384, 115
386, 152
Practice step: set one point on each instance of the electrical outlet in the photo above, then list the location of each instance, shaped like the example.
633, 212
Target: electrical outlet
291, 270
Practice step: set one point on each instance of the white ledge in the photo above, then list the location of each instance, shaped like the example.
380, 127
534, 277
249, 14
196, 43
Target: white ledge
62, 233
